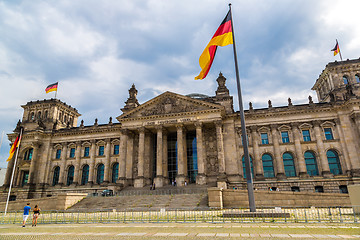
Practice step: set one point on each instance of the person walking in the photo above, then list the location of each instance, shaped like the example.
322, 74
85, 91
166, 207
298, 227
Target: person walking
27, 209
35, 215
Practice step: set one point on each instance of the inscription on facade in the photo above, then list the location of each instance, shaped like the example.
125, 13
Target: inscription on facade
171, 121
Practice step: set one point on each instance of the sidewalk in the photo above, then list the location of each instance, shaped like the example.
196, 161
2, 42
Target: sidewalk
181, 231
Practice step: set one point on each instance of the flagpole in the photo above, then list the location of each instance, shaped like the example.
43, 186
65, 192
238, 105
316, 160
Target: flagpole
249, 179
56, 92
13, 171
339, 49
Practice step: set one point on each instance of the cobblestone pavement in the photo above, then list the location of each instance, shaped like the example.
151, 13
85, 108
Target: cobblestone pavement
181, 231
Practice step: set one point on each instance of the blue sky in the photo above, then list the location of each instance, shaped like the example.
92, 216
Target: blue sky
97, 49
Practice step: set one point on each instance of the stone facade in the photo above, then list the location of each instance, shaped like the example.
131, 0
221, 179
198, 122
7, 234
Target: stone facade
195, 139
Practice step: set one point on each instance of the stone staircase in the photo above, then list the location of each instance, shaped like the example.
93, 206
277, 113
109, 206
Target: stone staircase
189, 198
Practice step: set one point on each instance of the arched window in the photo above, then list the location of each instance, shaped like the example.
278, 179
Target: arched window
65, 118
85, 175
311, 166
70, 177
60, 117
251, 166
56, 176
115, 172
28, 154
39, 115
46, 114
100, 174
334, 162
357, 78
32, 116
289, 165
268, 166
346, 80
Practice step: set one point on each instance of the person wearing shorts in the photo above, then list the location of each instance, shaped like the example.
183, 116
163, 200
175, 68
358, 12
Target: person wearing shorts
35, 215
26, 213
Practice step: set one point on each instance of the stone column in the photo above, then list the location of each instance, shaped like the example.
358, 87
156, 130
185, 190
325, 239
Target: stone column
278, 159
221, 181
123, 151
299, 155
32, 173
181, 161
201, 177
325, 170
257, 164
140, 181
130, 158
343, 146
165, 157
77, 171
351, 140
107, 160
92, 178
159, 179
62, 175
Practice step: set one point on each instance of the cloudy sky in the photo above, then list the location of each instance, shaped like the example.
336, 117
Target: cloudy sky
97, 49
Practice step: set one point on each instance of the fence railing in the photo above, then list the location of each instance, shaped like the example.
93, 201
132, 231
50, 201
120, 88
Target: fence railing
276, 215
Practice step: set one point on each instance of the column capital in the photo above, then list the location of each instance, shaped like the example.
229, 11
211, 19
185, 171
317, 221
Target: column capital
253, 128
126, 131
36, 144
78, 143
107, 140
159, 128
92, 141
198, 124
274, 126
316, 123
337, 121
295, 125
218, 123
64, 144
179, 126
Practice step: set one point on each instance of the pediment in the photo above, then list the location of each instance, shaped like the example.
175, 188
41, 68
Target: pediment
170, 103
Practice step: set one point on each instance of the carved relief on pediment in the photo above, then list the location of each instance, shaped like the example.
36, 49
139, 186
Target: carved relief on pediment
171, 105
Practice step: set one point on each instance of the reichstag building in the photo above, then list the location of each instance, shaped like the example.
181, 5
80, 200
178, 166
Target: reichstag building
195, 139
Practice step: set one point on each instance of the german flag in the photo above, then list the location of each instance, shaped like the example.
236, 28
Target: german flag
222, 37
13, 148
336, 49
51, 87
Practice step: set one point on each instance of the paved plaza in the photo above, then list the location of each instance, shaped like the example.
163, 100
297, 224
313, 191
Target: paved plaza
181, 231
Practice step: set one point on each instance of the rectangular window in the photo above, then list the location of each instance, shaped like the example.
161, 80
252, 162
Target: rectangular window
86, 151
101, 150
264, 138
306, 135
285, 137
247, 138
328, 134
116, 149
58, 153
72, 152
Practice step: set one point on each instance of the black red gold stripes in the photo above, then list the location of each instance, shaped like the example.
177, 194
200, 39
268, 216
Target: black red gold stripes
222, 37
51, 87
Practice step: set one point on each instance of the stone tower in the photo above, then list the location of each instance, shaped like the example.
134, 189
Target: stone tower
339, 81
49, 114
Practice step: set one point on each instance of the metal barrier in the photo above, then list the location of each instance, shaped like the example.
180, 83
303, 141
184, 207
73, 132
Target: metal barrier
274, 215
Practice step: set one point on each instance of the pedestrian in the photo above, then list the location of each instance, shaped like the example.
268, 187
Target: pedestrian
185, 183
153, 186
175, 182
35, 215
27, 209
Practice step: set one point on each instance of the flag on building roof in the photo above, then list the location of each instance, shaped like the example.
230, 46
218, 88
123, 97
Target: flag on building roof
51, 87
13, 147
222, 37
336, 49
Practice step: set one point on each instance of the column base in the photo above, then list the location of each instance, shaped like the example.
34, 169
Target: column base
281, 176
259, 177
201, 179
180, 180
234, 178
139, 182
303, 175
221, 185
122, 182
159, 181
327, 174
355, 172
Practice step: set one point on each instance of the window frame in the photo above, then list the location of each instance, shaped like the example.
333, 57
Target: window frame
72, 152
328, 133
86, 151
101, 150
116, 149
263, 139
306, 138
58, 153
287, 138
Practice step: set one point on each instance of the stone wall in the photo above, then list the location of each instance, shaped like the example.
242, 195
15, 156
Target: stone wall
229, 198
60, 202
354, 193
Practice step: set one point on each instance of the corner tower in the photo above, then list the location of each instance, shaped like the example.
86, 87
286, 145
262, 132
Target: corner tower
339, 81
49, 114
